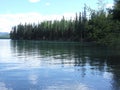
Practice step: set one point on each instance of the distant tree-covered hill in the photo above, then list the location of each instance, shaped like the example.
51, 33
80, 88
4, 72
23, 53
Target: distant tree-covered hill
4, 35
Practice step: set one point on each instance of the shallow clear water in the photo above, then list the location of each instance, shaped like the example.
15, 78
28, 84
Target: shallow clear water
35, 65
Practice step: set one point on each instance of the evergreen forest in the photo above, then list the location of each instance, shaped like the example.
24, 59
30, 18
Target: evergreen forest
102, 27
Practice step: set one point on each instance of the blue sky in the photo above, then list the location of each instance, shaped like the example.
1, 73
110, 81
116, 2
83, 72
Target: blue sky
13, 12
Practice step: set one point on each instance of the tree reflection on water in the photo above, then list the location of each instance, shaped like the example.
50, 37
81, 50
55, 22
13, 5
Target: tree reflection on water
87, 60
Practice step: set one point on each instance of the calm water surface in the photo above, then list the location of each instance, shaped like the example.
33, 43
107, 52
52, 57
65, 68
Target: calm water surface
35, 65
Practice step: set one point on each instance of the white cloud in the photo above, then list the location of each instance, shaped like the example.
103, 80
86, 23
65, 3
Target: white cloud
107, 75
109, 5
76, 86
3, 86
34, 1
33, 79
7, 21
48, 4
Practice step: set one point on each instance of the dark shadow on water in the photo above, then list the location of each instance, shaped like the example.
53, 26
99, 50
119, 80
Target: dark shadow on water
75, 53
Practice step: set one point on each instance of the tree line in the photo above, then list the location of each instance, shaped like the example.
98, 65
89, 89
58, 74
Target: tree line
65, 30
102, 27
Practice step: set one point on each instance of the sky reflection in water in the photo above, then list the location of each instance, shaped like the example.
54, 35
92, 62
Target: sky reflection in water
34, 65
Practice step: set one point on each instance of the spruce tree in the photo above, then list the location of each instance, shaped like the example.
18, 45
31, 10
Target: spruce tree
116, 10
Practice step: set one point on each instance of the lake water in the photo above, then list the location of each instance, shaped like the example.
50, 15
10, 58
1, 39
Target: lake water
35, 65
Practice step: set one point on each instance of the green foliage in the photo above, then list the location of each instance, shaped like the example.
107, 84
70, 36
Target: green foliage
112, 38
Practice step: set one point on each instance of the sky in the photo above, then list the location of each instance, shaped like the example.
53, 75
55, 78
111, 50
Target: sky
14, 12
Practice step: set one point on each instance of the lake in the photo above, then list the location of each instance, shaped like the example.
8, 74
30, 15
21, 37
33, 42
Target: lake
42, 65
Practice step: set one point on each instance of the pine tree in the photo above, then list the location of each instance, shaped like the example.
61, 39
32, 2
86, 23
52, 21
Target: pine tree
116, 10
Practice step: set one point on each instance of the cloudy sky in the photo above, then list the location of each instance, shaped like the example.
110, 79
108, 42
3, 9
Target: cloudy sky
13, 12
